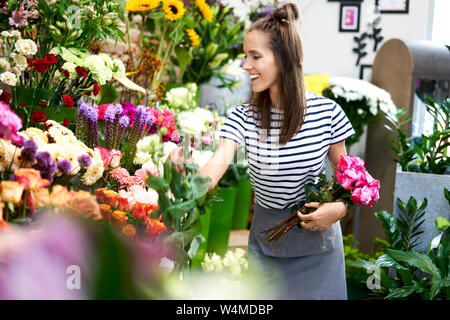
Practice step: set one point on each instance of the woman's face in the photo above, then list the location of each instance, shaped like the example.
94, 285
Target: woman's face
260, 62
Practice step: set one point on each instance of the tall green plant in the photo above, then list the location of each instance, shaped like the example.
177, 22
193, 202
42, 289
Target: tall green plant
181, 200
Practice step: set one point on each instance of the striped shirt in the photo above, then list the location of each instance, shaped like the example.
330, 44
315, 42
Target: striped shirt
278, 173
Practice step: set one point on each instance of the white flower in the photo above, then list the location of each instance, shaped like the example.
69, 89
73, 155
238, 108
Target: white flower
69, 66
5, 34
16, 34
4, 65
204, 114
107, 59
95, 170
8, 78
354, 90
20, 61
178, 98
191, 124
26, 47
233, 69
201, 157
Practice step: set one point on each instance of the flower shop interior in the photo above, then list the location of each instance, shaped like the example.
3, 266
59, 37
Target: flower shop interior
96, 96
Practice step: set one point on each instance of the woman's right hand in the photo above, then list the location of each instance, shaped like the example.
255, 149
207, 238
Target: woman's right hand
177, 158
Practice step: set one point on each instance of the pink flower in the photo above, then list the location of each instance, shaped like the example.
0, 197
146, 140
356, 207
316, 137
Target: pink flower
206, 140
10, 123
347, 162
116, 155
149, 196
120, 174
366, 195
102, 109
345, 181
106, 156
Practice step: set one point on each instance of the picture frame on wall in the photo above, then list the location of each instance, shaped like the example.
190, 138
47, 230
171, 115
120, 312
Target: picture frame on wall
393, 6
349, 18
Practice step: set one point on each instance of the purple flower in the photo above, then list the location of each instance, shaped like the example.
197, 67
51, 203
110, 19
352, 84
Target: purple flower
85, 160
44, 162
29, 150
19, 18
110, 113
64, 166
124, 121
129, 110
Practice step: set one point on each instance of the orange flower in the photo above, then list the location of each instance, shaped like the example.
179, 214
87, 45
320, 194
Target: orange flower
123, 204
119, 216
3, 224
84, 204
107, 196
39, 199
129, 230
30, 178
154, 226
142, 210
11, 191
106, 212
100, 193
59, 196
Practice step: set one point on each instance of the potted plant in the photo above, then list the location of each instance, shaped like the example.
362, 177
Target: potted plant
423, 164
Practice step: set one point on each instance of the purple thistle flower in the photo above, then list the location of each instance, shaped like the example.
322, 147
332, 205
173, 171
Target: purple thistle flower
64, 166
45, 164
85, 160
29, 150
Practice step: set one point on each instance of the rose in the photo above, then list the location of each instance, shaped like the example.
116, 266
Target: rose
154, 226
116, 155
68, 101
30, 178
11, 191
129, 231
59, 196
38, 116
84, 204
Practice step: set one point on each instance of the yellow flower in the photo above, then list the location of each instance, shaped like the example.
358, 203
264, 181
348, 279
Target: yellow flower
174, 9
195, 40
141, 5
205, 10
316, 82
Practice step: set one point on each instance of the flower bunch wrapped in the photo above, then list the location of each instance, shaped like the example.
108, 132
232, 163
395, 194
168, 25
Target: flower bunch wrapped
352, 184
55, 152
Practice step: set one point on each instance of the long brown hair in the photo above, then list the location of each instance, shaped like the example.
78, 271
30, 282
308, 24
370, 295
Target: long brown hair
286, 45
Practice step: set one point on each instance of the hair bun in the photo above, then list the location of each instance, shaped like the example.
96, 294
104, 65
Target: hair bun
288, 12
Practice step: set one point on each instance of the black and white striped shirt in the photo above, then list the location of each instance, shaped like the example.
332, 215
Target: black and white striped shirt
278, 173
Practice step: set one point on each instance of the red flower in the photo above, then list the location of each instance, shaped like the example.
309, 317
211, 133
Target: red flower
5, 97
81, 71
64, 72
50, 59
39, 65
96, 89
38, 116
66, 122
42, 104
47, 126
23, 105
88, 93
30, 63
68, 101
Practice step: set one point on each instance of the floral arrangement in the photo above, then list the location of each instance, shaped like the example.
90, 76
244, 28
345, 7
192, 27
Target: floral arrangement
360, 100
352, 184
233, 262
168, 32
56, 153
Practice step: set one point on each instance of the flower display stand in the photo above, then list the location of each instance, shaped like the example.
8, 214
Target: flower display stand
420, 186
221, 221
205, 219
242, 205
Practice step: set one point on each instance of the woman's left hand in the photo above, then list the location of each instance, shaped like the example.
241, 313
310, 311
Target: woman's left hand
326, 215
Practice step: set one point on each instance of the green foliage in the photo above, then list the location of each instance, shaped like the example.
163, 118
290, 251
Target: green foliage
180, 212
235, 173
406, 274
198, 64
429, 152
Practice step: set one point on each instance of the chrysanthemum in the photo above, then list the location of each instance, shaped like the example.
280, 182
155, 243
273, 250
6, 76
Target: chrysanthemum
195, 40
174, 9
141, 5
205, 10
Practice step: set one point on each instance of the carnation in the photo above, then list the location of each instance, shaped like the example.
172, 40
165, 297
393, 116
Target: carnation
8, 78
26, 47
4, 65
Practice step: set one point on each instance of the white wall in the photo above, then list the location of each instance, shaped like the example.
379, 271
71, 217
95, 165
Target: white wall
326, 50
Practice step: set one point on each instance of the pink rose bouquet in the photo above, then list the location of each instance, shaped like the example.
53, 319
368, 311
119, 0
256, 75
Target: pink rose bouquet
352, 184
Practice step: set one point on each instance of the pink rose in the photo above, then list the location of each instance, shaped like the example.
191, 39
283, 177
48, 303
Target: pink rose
106, 156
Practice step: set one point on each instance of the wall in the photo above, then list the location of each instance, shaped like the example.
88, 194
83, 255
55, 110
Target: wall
326, 50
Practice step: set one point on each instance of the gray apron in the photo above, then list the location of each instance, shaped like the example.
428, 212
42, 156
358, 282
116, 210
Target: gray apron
303, 264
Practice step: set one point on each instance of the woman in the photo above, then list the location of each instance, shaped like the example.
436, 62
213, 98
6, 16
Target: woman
287, 132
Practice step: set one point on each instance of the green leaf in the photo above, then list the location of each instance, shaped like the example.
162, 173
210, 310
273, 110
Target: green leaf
178, 210
199, 186
442, 223
447, 195
417, 260
157, 183
195, 244
389, 225
107, 94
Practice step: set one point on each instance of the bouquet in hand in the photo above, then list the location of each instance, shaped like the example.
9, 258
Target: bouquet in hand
351, 184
